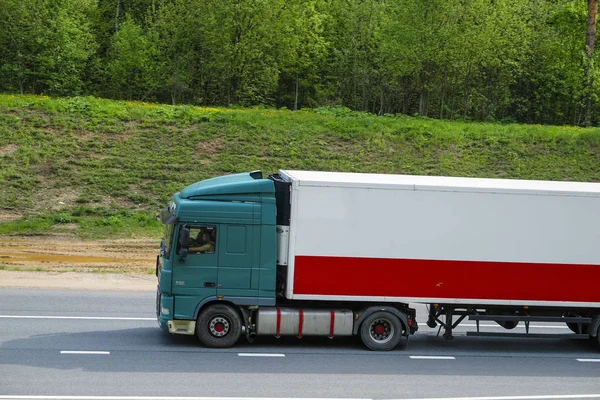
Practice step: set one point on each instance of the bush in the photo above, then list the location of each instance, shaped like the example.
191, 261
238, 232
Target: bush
63, 218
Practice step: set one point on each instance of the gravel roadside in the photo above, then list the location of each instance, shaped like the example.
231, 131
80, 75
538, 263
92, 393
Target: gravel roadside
77, 281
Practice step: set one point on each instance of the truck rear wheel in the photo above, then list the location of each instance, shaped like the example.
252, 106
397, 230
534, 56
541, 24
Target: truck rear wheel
381, 331
219, 326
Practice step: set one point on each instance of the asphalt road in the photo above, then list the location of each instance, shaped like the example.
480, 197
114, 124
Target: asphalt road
41, 333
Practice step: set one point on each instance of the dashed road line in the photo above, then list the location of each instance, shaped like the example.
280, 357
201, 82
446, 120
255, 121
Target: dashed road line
84, 352
261, 355
433, 358
588, 360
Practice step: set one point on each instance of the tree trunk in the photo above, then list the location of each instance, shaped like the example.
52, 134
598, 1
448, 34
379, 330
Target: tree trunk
381, 100
423, 99
443, 93
117, 15
296, 93
466, 93
405, 95
588, 68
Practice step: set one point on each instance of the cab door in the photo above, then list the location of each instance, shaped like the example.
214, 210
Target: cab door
196, 275
237, 276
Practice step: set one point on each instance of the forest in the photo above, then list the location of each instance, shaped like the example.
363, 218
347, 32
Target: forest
521, 61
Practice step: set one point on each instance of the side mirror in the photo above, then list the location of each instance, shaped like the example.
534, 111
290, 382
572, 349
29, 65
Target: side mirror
183, 253
185, 242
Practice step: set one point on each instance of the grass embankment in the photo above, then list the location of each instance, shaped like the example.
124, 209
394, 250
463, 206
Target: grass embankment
97, 168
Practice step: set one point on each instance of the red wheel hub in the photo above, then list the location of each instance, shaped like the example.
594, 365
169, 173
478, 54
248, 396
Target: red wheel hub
219, 327
379, 329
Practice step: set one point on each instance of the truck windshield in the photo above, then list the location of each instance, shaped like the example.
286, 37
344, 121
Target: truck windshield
167, 240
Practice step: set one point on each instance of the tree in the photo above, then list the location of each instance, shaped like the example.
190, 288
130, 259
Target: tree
130, 68
45, 45
301, 51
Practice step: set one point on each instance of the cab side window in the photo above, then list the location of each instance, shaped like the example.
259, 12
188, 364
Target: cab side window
203, 239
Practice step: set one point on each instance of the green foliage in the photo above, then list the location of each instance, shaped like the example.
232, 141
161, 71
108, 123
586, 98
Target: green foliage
130, 65
513, 60
45, 45
63, 218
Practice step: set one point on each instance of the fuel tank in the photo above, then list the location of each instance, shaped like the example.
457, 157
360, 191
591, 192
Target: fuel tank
304, 322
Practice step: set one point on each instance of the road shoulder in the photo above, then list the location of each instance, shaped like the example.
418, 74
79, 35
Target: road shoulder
77, 281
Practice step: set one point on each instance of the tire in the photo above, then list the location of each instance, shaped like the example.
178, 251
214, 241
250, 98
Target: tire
381, 331
504, 324
508, 324
218, 326
575, 329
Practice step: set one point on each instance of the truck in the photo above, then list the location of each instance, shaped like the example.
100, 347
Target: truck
309, 253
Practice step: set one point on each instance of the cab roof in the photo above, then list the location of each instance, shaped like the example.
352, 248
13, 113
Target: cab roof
244, 183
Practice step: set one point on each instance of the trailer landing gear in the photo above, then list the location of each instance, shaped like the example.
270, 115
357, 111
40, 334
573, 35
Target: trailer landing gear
436, 312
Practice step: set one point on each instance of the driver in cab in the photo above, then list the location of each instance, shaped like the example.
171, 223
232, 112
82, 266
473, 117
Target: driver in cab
204, 243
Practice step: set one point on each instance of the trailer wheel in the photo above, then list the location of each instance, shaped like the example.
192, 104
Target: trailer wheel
575, 328
219, 326
505, 324
508, 324
381, 331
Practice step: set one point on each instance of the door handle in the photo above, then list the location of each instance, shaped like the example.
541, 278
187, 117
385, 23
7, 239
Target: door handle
209, 284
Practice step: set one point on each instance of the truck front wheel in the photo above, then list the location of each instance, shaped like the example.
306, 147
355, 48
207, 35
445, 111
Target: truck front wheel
219, 326
381, 331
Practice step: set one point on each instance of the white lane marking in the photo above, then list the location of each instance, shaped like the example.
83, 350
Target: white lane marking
74, 317
83, 352
433, 358
537, 397
19, 397
540, 397
588, 359
261, 355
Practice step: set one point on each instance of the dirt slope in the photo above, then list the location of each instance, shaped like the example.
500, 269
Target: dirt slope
65, 263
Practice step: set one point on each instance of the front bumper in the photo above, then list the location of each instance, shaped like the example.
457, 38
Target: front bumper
164, 310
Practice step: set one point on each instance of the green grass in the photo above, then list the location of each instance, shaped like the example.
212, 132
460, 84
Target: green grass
101, 168
117, 223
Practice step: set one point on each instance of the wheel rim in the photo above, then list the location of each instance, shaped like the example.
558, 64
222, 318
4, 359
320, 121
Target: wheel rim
381, 330
219, 326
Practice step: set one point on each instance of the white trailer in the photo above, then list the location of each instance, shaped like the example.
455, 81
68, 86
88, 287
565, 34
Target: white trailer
505, 250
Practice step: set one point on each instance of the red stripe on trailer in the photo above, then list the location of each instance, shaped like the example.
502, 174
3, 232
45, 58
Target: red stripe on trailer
278, 329
332, 325
445, 279
300, 323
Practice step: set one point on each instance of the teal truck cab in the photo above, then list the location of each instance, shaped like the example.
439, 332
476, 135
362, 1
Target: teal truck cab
236, 214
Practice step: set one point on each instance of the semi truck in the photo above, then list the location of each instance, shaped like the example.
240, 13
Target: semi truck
338, 254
